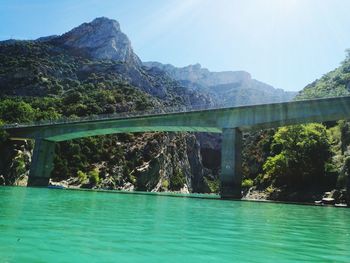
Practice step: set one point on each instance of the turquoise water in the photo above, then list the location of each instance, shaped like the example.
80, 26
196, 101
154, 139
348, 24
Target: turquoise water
46, 225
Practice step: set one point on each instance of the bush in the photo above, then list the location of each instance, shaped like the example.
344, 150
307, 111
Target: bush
3, 134
247, 183
94, 176
165, 184
16, 112
301, 153
82, 176
213, 185
20, 166
177, 180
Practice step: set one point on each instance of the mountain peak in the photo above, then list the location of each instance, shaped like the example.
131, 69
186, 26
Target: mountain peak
100, 39
104, 21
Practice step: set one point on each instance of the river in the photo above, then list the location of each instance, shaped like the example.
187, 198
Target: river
50, 225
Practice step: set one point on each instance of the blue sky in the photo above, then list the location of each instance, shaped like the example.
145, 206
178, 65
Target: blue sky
285, 43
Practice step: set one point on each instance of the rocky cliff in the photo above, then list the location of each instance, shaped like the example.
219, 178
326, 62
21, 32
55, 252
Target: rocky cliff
100, 39
227, 88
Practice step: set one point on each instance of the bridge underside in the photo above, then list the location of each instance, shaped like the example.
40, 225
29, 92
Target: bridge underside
82, 134
231, 161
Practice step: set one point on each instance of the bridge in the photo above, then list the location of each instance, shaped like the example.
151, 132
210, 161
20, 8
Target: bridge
231, 122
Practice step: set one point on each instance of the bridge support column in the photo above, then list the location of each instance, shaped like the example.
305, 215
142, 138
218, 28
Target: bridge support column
231, 163
42, 163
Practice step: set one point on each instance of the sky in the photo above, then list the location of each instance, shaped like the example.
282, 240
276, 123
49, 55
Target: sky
285, 43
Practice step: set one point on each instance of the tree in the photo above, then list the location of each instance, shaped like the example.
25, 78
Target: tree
300, 155
13, 111
344, 135
177, 180
81, 176
94, 176
3, 134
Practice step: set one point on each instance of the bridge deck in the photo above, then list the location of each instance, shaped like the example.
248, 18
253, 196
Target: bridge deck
195, 120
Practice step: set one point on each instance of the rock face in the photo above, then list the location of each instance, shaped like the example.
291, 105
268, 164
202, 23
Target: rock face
15, 162
227, 88
195, 74
166, 162
101, 39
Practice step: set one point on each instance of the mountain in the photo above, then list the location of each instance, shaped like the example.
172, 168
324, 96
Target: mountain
73, 75
100, 39
95, 48
91, 70
228, 88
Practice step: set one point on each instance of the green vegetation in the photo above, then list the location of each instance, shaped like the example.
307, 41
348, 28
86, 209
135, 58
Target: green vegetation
82, 176
16, 111
332, 84
177, 180
300, 155
3, 134
19, 165
247, 183
44, 82
309, 158
165, 185
335, 83
213, 184
94, 176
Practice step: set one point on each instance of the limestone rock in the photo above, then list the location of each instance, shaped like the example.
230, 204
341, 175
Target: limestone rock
101, 39
226, 88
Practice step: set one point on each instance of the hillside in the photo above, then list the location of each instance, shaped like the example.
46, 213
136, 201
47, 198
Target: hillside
56, 76
302, 162
333, 84
93, 69
227, 88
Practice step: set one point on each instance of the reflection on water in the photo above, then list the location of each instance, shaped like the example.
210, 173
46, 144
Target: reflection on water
45, 225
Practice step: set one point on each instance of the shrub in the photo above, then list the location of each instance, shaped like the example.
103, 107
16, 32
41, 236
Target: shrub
247, 183
82, 176
301, 153
12, 111
213, 185
20, 166
165, 184
177, 180
94, 176
3, 134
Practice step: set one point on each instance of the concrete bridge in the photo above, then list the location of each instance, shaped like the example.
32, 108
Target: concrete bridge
228, 121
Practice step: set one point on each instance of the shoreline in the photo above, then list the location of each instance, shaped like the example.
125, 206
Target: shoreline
191, 195
204, 196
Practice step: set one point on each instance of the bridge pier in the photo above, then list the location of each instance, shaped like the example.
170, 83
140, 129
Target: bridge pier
231, 163
42, 163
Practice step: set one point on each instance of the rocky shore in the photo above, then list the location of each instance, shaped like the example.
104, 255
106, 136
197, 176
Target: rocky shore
333, 198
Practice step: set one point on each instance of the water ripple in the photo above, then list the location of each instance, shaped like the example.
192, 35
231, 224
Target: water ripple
42, 225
